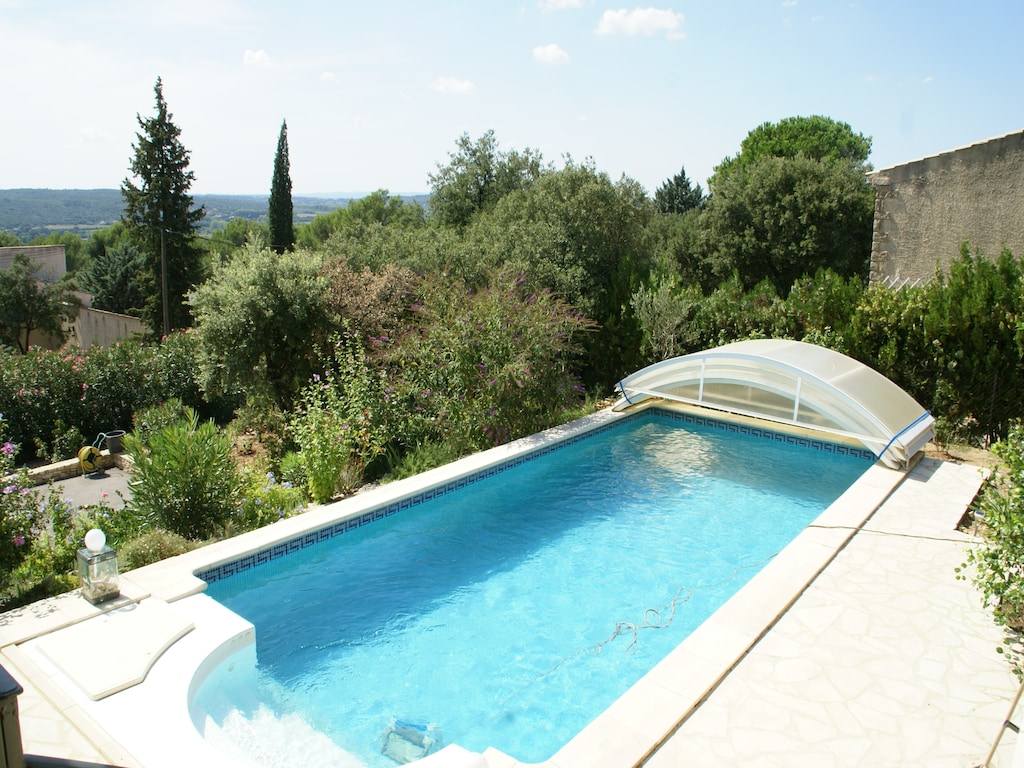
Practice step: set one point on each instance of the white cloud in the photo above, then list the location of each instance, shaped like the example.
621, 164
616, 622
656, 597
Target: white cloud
258, 58
558, 5
788, 3
452, 85
928, 79
327, 77
550, 54
640, 21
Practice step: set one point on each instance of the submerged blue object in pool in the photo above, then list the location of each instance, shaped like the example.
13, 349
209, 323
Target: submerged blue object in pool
511, 612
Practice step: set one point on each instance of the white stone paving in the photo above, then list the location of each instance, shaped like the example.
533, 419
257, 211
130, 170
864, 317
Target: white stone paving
886, 660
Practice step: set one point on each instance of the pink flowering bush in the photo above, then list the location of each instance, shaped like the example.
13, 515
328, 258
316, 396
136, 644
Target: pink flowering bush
17, 509
56, 401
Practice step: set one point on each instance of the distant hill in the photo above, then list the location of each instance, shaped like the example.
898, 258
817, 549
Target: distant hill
30, 213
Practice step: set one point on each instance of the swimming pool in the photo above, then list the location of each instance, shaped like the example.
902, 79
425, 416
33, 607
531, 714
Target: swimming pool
454, 558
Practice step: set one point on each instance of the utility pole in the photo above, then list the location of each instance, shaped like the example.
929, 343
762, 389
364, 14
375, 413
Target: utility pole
163, 279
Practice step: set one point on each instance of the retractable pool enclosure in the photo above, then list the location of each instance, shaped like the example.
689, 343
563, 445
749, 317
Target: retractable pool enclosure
795, 384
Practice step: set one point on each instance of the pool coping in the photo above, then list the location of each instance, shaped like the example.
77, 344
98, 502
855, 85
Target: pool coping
628, 731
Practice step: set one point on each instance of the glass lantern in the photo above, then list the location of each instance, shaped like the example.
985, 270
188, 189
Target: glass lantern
97, 568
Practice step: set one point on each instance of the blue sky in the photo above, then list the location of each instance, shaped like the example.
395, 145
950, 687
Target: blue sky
376, 93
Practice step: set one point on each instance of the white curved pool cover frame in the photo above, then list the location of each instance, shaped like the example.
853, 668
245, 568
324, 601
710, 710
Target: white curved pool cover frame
796, 384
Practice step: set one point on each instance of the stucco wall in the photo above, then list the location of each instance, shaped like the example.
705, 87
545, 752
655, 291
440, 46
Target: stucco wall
93, 327
926, 208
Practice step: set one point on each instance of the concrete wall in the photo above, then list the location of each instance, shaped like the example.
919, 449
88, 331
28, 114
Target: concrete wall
94, 327
926, 208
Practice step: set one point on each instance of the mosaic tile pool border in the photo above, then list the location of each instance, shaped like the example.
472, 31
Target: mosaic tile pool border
325, 533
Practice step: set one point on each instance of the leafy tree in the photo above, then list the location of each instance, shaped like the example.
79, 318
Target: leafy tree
477, 175
258, 317
8, 239
376, 209
783, 218
28, 305
160, 218
584, 237
280, 211
235, 234
480, 367
815, 138
75, 255
112, 277
678, 195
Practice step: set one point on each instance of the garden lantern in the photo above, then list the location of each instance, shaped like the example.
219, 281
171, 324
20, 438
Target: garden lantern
97, 568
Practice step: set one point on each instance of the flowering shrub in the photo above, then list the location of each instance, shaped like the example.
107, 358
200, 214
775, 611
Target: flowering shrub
17, 509
50, 397
265, 501
338, 422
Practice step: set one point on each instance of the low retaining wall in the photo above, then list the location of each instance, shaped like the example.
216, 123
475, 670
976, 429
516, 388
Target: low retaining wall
62, 470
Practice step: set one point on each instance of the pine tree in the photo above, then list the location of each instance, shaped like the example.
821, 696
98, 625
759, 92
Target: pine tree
280, 213
677, 195
160, 218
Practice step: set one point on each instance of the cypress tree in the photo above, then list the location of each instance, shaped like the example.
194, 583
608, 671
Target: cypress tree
160, 219
280, 212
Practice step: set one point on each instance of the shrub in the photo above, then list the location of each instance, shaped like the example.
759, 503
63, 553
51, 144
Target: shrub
335, 423
265, 501
184, 480
18, 510
482, 367
151, 547
66, 443
998, 562
154, 418
292, 471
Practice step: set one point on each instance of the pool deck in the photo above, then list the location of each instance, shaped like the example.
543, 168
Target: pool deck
878, 657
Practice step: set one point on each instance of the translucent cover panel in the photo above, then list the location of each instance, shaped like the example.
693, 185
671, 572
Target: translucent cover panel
795, 383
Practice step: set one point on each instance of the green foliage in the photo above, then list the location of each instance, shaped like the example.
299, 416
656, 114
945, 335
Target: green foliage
375, 211
665, 312
184, 480
27, 306
678, 195
477, 176
998, 562
972, 327
263, 420
258, 318
160, 219
151, 547
481, 367
65, 445
813, 138
112, 277
784, 218
265, 501
17, 508
154, 418
338, 424
421, 458
292, 471
577, 233
280, 211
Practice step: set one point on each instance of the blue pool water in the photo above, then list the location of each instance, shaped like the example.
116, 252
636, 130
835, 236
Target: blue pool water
513, 611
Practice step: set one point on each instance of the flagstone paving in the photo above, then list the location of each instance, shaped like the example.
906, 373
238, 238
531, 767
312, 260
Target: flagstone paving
887, 659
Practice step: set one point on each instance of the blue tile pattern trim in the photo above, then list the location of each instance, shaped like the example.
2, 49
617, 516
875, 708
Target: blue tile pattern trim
311, 538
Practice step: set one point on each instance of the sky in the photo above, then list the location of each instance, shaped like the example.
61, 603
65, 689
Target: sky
376, 94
